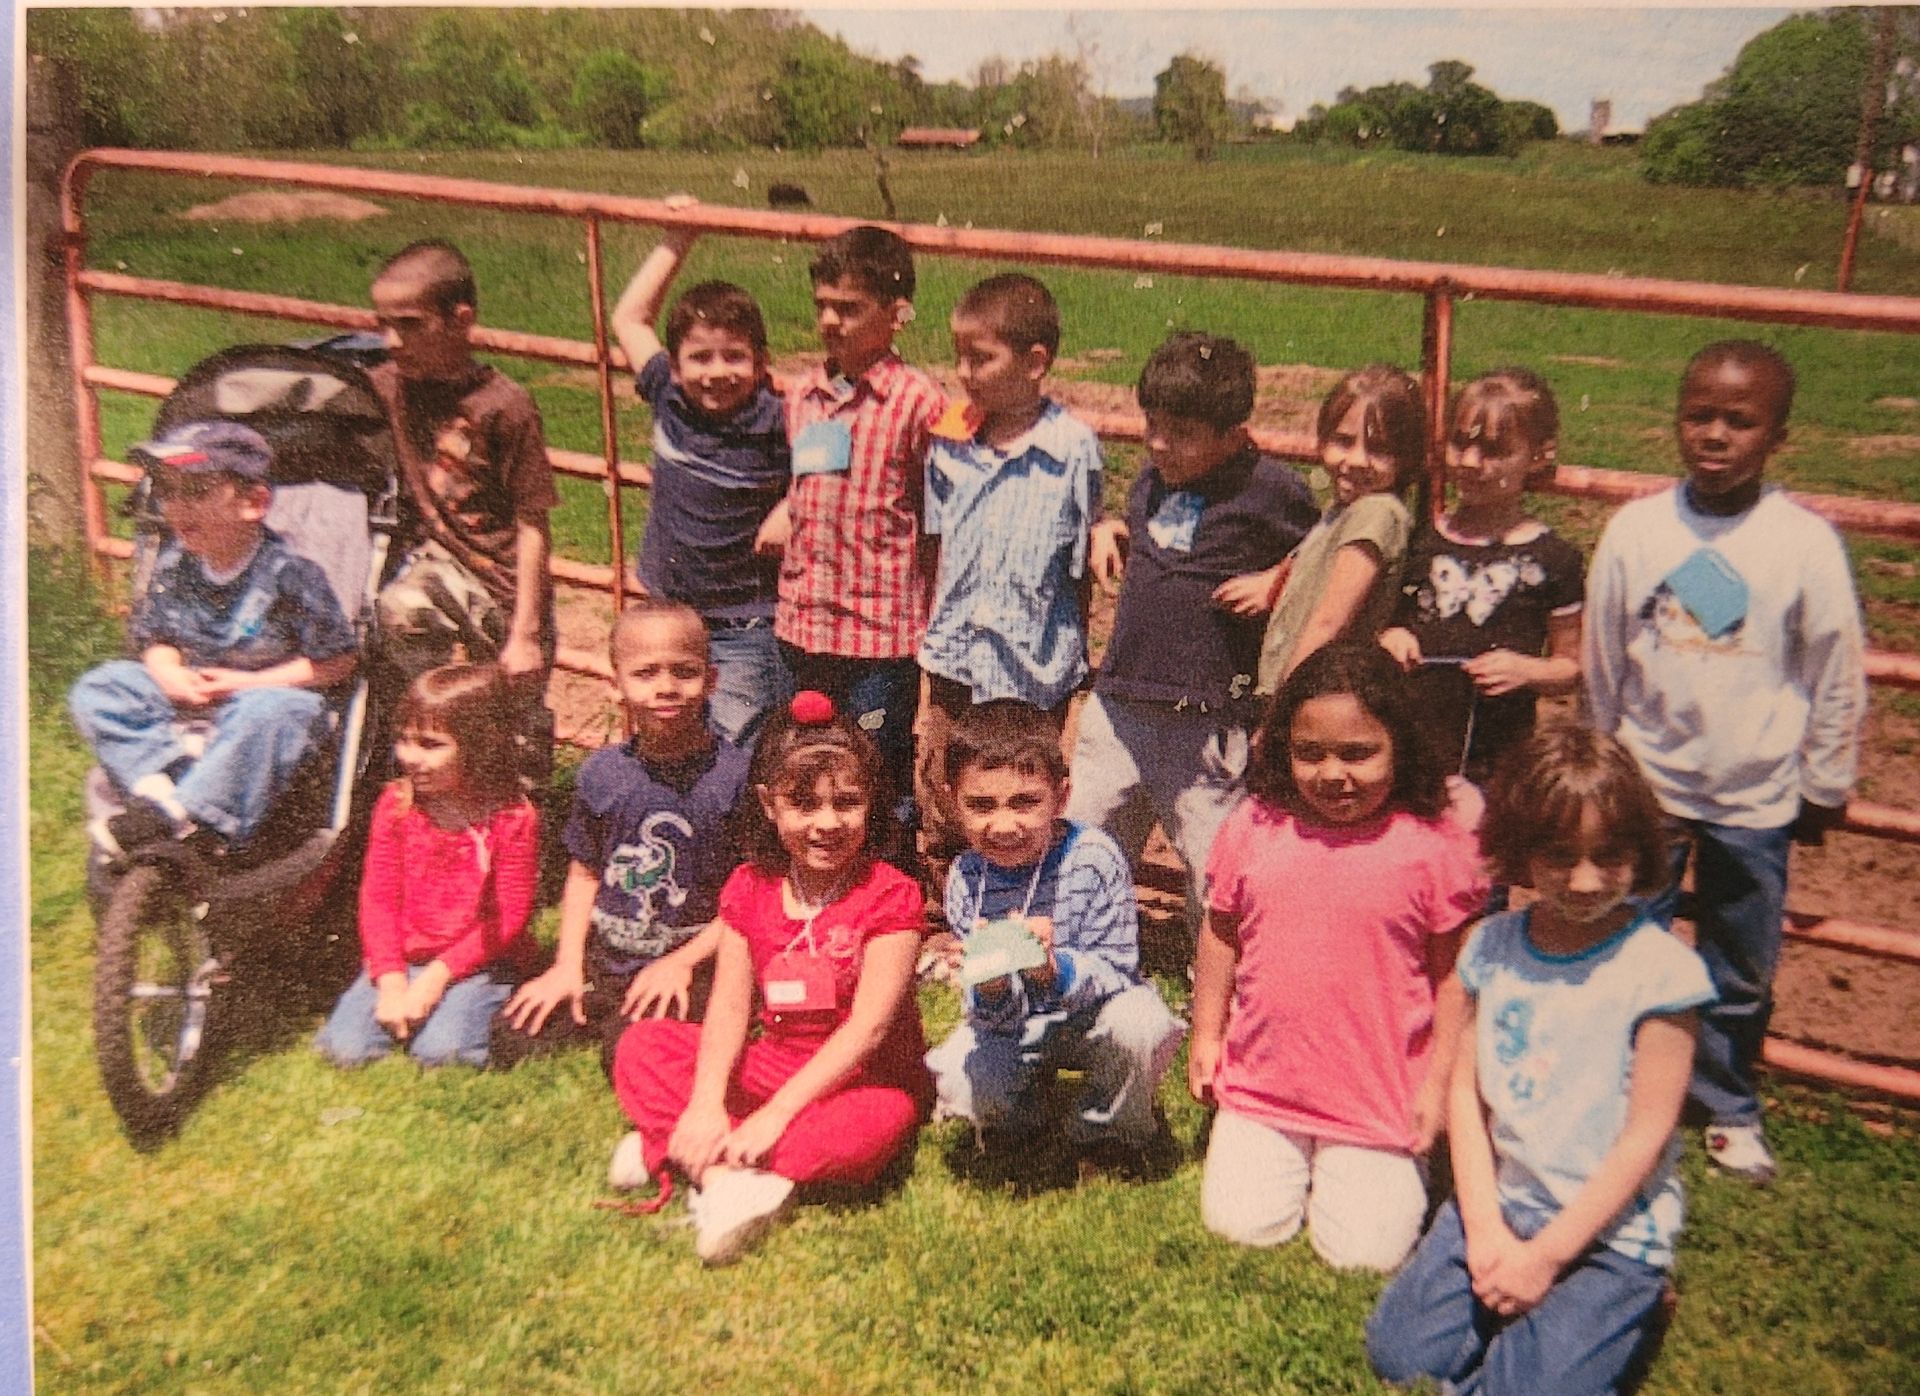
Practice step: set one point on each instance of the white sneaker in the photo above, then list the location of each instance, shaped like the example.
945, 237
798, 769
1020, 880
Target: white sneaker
735, 1208
1742, 1151
627, 1169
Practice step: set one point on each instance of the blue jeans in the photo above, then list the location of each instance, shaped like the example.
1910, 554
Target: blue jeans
883, 697
752, 679
1583, 1339
457, 1030
1739, 898
259, 739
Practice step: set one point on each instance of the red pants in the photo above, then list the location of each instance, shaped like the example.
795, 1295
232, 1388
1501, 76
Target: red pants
847, 1136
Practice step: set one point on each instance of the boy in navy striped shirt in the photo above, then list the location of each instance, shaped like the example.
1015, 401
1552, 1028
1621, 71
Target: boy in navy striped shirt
720, 469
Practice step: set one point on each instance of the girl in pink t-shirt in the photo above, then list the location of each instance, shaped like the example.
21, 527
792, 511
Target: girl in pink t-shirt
1337, 894
823, 937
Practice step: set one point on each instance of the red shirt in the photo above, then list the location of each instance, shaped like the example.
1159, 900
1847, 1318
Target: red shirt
852, 583
460, 896
884, 902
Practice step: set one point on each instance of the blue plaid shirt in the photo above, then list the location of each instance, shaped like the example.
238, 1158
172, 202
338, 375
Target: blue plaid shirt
1012, 525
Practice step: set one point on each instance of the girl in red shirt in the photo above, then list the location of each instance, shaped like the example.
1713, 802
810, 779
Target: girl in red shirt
448, 889
822, 937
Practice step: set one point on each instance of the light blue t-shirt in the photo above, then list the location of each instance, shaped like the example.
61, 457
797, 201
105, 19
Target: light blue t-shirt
1553, 1047
1013, 527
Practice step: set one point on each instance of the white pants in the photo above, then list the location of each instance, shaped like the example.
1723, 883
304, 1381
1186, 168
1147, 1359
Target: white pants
1362, 1207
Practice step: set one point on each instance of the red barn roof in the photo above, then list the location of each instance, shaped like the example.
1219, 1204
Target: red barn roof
947, 137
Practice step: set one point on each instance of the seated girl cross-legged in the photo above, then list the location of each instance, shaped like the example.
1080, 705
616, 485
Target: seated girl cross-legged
824, 937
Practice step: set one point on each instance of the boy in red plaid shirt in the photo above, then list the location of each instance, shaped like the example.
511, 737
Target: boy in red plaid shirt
858, 570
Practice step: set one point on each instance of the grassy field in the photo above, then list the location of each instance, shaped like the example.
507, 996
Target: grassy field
327, 1232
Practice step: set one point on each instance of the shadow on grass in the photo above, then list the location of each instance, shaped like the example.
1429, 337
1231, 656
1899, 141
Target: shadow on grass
1043, 1160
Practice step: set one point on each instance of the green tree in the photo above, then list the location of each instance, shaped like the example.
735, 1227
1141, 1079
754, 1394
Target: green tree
469, 87
614, 95
1190, 104
826, 96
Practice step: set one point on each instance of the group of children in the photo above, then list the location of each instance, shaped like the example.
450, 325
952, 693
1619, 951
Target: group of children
1330, 715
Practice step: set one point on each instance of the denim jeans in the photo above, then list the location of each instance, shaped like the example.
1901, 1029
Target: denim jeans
752, 679
883, 697
457, 1030
259, 738
1739, 898
1584, 1339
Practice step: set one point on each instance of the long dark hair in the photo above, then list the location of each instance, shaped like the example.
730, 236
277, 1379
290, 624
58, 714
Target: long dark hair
472, 704
1378, 685
811, 737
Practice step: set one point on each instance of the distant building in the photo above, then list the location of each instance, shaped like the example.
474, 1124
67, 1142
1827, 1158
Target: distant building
937, 138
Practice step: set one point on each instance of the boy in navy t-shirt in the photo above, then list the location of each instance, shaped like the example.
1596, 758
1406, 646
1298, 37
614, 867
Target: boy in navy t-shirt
1164, 736
720, 466
649, 843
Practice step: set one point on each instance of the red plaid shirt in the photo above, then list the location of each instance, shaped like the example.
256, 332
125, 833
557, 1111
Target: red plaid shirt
852, 582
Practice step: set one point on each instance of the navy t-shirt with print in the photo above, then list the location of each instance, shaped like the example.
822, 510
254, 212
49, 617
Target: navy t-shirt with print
1170, 642
715, 479
1462, 599
279, 607
660, 837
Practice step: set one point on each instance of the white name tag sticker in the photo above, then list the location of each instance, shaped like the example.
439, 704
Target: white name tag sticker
786, 993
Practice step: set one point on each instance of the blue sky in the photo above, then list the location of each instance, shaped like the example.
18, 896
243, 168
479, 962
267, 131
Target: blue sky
1645, 60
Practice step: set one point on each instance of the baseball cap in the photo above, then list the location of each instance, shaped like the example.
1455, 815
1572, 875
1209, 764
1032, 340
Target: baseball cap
206, 448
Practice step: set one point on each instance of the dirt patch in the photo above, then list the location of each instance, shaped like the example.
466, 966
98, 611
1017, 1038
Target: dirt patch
262, 206
1891, 444
1590, 360
1899, 404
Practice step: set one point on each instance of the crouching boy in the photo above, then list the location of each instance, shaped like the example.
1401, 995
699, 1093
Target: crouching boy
235, 631
1046, 914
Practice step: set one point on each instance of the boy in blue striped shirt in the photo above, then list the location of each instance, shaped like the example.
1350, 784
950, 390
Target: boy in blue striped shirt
1012, 492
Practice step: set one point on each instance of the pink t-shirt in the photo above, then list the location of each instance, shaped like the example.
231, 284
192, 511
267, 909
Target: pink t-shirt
1331, 1021
885, 901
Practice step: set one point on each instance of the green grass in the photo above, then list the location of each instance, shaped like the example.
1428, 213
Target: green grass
318, 1231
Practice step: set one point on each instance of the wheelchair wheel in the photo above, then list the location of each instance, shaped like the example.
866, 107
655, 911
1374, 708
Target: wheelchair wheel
155, 978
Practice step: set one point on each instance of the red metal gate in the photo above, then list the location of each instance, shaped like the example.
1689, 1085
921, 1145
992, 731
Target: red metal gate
1441, 285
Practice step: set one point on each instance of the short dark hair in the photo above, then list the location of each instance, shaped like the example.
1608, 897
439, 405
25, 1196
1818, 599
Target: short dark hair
651, 608
1394, 412
1516, 397
1751, 353
1005, 734
442, 270
1206, 377
878, 259
1018, 308
1378, 685
793, 754
473, 704
721, 304
1544, 787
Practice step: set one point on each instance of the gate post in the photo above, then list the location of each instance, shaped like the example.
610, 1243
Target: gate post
55, 514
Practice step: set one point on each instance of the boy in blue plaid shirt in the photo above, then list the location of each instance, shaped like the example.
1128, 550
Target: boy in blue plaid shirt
1013, 489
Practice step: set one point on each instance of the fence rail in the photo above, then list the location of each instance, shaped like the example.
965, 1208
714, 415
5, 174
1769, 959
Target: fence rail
1443, 286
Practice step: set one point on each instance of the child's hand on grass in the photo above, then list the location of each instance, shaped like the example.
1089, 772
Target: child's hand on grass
1203, 1064
1107, 554
390, 1008
697, 1139
664, 989
1401, 646
534, 1001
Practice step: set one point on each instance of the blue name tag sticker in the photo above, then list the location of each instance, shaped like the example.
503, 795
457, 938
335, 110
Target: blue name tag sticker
1175, 522
1712, 592
822, 448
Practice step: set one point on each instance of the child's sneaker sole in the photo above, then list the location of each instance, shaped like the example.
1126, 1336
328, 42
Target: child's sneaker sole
1742, 1151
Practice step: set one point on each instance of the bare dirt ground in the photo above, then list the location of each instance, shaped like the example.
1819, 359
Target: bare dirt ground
261, 206
1831, 999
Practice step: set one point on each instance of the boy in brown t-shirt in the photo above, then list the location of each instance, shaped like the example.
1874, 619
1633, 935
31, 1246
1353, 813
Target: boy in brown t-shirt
476, 486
